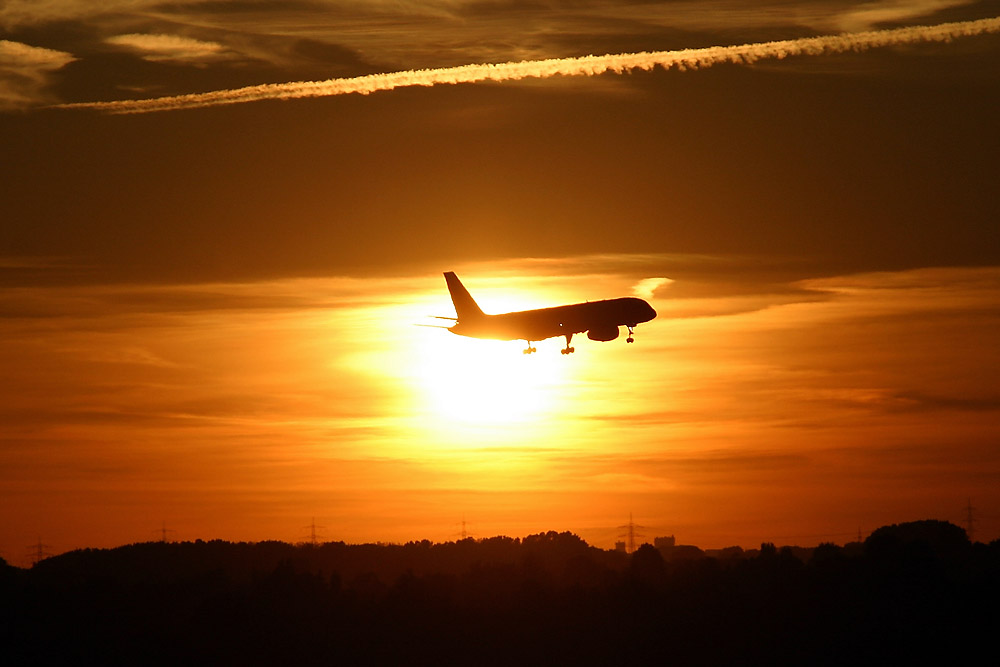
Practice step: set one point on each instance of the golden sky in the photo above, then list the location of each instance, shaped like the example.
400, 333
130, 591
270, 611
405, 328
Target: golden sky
206, 315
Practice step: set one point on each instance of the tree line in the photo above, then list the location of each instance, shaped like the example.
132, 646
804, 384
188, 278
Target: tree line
911, 592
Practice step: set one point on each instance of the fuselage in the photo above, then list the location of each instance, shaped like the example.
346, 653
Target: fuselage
536, 325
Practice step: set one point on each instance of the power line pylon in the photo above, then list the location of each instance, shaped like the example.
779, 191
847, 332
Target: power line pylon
38, 551
314, 537
464, 533
970, 524
630, 534
163, 530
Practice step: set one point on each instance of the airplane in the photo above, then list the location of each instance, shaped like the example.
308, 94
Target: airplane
600, 319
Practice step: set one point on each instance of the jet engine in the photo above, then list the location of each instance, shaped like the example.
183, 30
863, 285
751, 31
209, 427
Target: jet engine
603, 334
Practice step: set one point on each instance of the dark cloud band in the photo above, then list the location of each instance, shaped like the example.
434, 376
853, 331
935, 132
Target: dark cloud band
582, 66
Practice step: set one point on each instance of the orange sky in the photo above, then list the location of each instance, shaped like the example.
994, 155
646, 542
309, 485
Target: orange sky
206, 315
244, 410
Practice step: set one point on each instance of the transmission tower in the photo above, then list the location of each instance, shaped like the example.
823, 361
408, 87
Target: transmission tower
314, 537
163, 530
970, 527
630, 534
464, 533
38, 551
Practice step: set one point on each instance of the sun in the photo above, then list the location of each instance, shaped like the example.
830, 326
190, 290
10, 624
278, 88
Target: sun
486, 383
457, 393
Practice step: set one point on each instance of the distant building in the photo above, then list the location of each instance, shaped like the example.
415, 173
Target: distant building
662, 543
665, 545
620, 546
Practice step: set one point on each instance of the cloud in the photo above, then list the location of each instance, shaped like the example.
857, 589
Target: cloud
102, 302
684, 59
872, 14
919, 401
29, 12
646, 287
25, 72
169, 48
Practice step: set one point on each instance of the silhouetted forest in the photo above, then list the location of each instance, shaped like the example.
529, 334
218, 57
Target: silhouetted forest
913, 592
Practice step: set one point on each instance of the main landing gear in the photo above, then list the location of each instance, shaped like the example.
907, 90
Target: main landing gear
530, 350
568, 349
630, 339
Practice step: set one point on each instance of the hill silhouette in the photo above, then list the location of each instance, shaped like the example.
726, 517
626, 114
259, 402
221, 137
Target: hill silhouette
912, 592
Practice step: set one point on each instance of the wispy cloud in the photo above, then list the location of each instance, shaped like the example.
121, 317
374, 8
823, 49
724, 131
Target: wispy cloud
871, 14
583, 66
646, 287
169, 48
25, 72
28, 12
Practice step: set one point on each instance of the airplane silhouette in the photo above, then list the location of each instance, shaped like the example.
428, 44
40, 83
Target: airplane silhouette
600, 319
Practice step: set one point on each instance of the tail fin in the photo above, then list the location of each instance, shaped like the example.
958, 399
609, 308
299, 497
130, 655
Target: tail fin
465, 306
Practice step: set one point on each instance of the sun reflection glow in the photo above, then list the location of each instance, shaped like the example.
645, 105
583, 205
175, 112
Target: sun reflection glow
463, 393
482, 391
464, 381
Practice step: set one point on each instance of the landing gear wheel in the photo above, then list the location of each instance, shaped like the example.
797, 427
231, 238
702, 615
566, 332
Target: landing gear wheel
630, 332
568, 349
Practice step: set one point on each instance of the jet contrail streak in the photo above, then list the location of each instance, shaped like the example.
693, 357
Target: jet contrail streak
583, 66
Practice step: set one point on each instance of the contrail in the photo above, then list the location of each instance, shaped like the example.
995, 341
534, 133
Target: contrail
683, 59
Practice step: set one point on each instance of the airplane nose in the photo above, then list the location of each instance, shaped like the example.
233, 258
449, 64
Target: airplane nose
650, 313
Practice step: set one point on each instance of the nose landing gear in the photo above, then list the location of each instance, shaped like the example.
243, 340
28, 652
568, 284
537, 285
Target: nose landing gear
630, 339
529, 350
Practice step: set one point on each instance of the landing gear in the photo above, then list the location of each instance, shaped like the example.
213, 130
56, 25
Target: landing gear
530, 350
568, 349
630, 339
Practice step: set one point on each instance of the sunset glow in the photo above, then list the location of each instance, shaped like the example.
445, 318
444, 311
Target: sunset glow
282, 413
